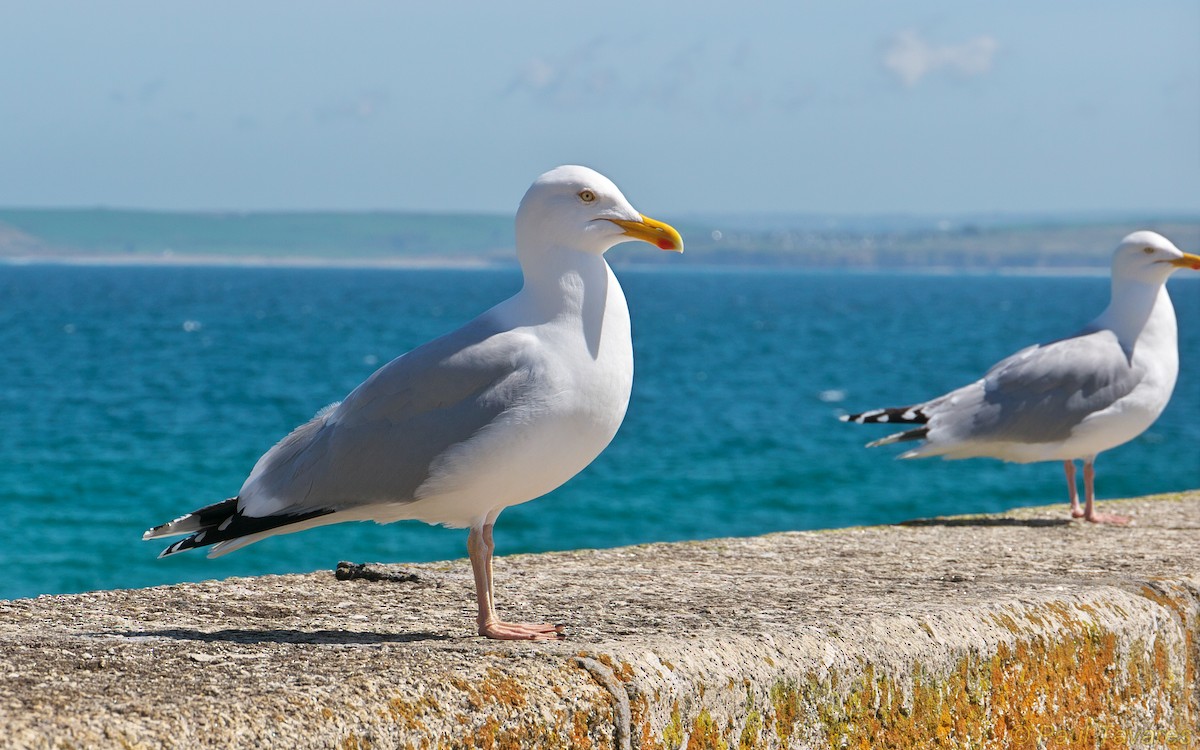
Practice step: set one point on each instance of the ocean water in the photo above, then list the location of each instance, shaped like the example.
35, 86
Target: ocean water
131, 395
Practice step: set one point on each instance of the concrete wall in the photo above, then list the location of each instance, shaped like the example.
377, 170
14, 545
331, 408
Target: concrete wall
1019, 630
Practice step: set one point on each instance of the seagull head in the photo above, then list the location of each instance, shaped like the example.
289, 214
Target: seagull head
1150, 257
579, 209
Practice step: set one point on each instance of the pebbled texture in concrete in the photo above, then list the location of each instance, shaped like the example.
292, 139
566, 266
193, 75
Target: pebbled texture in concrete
1014, 630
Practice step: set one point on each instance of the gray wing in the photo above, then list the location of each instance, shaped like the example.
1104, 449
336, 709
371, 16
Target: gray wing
1040, 394
379, 444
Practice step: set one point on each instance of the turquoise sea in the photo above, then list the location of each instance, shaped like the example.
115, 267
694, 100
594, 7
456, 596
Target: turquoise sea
129, 395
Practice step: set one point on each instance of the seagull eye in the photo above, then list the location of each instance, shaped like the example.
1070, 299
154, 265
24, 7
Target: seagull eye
587, 196
1148, 250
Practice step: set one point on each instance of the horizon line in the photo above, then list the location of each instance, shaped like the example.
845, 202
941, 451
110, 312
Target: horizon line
1186, 215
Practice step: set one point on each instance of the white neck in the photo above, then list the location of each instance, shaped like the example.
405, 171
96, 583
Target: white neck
576, 288
1137, 308
564, 282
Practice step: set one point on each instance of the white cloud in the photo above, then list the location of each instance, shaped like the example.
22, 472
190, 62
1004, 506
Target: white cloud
582, 77
362, 106
146, 94
608, 71
910, 57
537, 75
721, 78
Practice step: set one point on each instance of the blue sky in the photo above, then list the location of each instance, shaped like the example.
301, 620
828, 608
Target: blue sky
850, 107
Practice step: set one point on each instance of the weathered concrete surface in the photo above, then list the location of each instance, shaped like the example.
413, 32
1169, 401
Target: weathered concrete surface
1018, 630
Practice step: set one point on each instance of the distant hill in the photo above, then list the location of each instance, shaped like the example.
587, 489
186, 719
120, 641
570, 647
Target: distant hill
866, 243
107, 232
778, 240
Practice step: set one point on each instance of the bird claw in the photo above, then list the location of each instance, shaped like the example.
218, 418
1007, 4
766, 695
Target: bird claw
1113, 519
522, 631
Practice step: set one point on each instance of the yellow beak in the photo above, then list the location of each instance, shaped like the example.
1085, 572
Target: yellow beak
1187, 261
654, 232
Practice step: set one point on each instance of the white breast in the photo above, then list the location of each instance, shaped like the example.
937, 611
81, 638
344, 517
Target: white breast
584, 371
1155, 354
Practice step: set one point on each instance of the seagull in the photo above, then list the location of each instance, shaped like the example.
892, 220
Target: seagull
1068, 399
496, 413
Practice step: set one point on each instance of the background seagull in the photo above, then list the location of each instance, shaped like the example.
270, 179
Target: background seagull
1071, 398
496, 413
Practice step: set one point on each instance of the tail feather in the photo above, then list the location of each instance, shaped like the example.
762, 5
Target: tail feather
223, 522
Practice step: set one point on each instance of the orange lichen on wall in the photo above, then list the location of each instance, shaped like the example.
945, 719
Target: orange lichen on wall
1075, 689
1076, 686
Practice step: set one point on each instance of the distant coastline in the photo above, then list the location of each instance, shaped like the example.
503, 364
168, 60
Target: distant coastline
253, 261
984, 244
435, 263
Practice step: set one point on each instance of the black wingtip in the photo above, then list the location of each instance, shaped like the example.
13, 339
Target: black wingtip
893, 415
228, 523
179, 546
919, 433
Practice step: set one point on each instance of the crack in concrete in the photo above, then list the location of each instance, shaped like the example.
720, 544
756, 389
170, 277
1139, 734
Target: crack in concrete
622, 730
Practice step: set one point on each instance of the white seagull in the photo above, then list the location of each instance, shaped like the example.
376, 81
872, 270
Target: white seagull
496, 413
1067, 399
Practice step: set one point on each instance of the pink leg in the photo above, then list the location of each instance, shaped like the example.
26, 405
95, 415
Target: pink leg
480, 547
1076, 508
1089, 511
